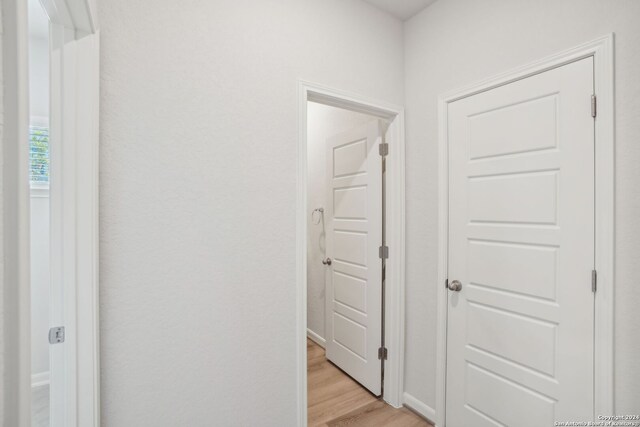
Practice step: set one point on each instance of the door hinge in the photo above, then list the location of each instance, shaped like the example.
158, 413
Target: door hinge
594, 280
56, 335
382, 353
383, 252
594, 106
383, 148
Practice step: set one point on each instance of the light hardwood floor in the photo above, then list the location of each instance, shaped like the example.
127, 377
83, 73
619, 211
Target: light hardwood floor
335, 399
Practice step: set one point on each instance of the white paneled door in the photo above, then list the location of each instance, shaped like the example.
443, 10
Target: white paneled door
354, 234
520, 337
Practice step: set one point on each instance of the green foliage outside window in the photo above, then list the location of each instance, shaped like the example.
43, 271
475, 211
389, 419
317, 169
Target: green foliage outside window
39, 154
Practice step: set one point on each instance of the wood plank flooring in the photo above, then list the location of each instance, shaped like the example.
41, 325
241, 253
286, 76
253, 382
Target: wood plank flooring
336, 400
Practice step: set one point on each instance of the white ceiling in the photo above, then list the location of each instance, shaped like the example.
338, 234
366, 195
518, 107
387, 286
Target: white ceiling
403, 9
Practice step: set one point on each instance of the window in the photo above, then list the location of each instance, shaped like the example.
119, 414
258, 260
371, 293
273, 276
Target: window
39, 155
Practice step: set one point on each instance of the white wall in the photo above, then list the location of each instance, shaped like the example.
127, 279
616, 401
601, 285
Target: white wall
323, 122
199, 129
39, 77
456, 42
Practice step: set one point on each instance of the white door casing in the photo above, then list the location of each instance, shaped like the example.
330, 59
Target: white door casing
520, 334
78, 98
395, 232
74, 386
354, 234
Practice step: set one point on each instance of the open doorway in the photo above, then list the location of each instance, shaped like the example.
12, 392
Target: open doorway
40, 219
50, 222
351, 241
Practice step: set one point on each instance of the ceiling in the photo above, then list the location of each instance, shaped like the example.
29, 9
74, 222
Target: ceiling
403, 9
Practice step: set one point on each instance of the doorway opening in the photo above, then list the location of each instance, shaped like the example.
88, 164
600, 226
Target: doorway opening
350, 283
40, 219
50, 142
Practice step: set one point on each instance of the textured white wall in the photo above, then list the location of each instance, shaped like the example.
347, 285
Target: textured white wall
323, 122
199, 122
456, 42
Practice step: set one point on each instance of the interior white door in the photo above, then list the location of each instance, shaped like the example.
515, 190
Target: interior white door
354, 234
521, 244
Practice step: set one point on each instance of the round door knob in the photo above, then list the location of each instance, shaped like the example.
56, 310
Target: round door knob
326, 261
455, 286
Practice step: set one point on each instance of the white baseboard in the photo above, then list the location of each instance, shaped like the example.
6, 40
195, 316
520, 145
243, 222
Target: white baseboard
41, 378
421, 408
316, 338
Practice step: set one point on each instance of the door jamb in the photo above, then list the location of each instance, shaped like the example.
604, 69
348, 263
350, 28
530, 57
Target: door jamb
395, 217
77, 92
601, 50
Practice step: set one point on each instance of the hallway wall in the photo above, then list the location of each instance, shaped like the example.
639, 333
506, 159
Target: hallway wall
198, 141
323, 122
457, 42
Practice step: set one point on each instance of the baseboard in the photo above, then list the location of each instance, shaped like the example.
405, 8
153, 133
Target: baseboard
316, 338
419, 407
39, 379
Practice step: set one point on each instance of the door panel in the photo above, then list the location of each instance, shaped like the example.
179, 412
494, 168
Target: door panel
354, 233
521, 242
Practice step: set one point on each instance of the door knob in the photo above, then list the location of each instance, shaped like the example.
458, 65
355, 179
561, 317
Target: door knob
455, 286
326, 261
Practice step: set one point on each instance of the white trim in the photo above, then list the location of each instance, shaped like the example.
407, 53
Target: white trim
420, 407
87, 231
316, 338
395, 288
16, 381
40, 379
395, 264
443, 248
601, 50
78, 98
74, 226
73, 14
16, 217
605, 226
37, 190
39, 121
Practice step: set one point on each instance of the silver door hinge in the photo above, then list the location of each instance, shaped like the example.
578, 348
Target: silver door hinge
594, 106
383, 148
56, 335
383, 252
382, 353
594, 280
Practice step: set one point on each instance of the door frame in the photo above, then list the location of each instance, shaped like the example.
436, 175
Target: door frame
74, 87
395, 231
601, 50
